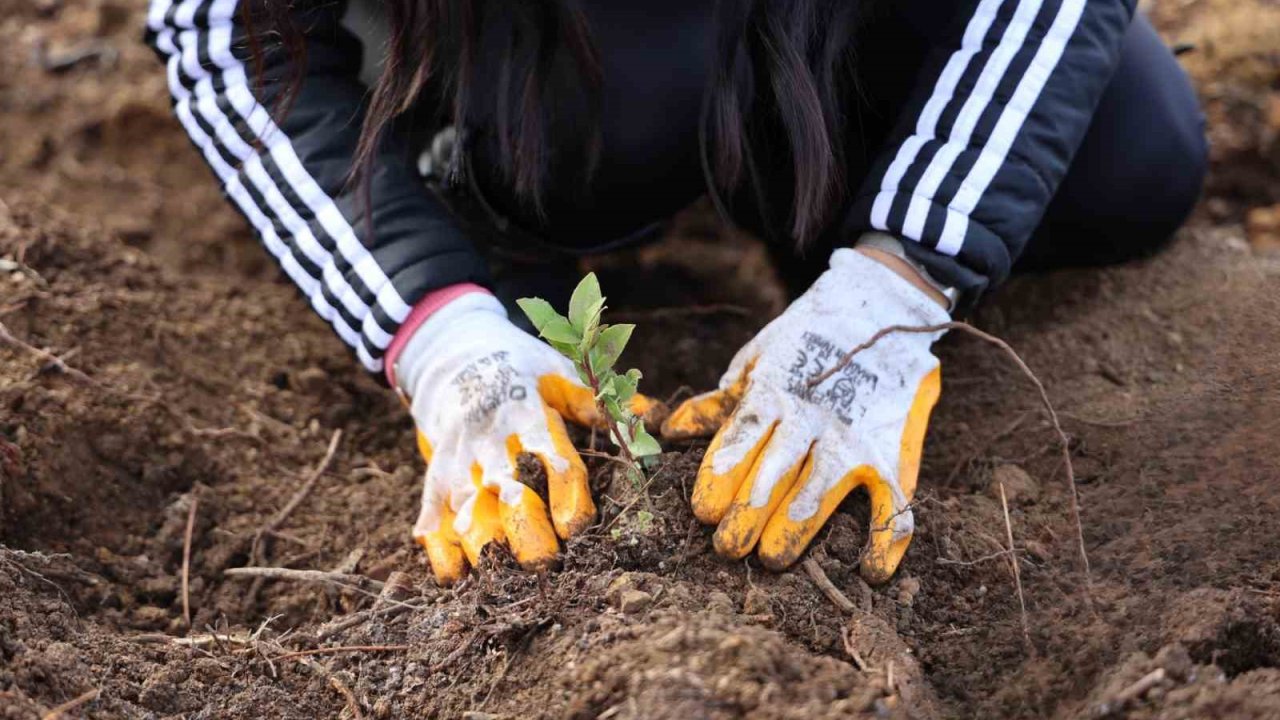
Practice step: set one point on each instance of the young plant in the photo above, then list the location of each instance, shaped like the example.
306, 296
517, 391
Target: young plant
594, 348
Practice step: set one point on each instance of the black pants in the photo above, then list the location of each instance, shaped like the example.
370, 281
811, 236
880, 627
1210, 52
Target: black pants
1132, 183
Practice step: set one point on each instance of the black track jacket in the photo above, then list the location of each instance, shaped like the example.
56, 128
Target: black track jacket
998, 106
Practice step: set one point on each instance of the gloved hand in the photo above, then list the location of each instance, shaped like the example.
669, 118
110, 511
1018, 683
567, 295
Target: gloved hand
788, 453
481, 392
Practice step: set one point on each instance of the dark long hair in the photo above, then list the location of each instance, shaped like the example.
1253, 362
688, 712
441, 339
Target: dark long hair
782, 70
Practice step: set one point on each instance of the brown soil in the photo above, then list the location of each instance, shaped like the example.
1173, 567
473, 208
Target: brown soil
209, 382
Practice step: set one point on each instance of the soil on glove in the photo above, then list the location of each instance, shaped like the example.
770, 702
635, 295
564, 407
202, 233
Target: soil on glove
173, 368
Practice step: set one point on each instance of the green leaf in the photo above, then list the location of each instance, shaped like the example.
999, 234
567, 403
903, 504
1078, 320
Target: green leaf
538, 311
586, 300
624, 386
568, 350
615, 410
612, 341
550, 324
559, 330
642, 443
591, 325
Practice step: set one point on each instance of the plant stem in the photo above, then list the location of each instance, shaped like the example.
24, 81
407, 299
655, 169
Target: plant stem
614, 429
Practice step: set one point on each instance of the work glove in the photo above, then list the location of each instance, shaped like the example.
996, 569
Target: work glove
786, 454
482, 391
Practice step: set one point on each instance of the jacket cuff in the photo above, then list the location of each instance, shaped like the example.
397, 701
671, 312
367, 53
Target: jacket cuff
422, 311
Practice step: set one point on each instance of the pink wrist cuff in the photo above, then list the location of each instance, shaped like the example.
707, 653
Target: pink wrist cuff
426, 307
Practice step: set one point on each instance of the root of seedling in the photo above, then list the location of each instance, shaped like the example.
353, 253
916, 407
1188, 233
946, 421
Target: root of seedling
1044, 399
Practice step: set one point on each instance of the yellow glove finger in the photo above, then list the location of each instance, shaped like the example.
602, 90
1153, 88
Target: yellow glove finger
443, 548
784, 539
790, 530
577, 404
714, 490
479, 520
568, 493
702, 415
525, 525
884, 551
778, 468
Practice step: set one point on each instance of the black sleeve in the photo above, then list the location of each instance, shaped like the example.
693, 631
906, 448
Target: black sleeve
1001, 106
289, 175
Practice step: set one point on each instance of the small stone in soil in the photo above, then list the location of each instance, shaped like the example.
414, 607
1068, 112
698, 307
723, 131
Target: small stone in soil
634, 601
1019, 486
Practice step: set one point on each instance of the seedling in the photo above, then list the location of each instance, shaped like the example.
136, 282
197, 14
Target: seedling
594, 348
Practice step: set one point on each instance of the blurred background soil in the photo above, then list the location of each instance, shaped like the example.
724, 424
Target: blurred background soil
168, 365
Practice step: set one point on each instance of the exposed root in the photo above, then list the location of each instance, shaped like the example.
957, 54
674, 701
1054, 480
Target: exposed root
49, 359
75, 702
1044, 399
1017, 574
342, 649
186, 559
819, 578
258, 549
343, 580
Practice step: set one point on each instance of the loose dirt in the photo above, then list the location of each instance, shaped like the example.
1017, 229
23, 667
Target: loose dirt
208, 379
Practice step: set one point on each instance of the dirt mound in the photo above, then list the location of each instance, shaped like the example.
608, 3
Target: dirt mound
158, 364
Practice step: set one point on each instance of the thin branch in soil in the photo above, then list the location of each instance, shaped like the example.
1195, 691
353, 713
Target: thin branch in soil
257, 549
306, 488
1131, 693
820, 579
75, 702
48, 358
343, 649
641, 494
1044, 399
1017, 574
345, 580
847, 636
186, 560
977, 452
976, 561
358, 618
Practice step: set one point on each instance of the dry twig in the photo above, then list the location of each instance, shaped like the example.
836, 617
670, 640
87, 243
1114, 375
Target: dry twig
302, 492
819, 578
1131, 693
1044, 399
186, 559
978, 451
257, 550
50, 360
1017, 574
75, 702
847, 637
342, 649
346, 580
357, 618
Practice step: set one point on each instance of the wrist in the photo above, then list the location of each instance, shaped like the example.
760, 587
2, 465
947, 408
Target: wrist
907, 272
888, 251
431, 312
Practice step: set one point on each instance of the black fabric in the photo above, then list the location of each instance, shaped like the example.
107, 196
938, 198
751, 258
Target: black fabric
292, 180
1135, 178
1144, 138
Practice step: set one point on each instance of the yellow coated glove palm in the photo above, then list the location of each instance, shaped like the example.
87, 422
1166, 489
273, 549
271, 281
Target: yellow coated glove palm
481, 392
787, 453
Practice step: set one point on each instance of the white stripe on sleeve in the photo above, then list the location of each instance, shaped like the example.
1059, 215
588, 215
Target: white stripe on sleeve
1009, 125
